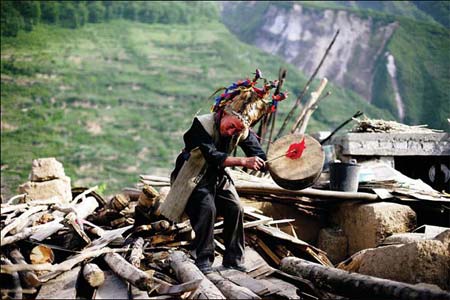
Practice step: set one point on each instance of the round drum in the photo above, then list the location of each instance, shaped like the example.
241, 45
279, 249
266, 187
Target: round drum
299, 173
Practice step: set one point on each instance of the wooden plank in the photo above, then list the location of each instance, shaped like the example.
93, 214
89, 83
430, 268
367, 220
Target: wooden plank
113, 288
190, 174
62, 287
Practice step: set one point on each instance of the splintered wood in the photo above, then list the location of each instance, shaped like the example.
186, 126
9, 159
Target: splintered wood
96, 249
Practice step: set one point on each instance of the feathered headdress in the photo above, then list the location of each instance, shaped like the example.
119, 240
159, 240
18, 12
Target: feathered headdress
248, 102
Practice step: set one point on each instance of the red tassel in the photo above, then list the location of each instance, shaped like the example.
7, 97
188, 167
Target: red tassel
295, 150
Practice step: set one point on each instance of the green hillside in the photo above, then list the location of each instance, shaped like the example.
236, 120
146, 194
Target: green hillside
112, 100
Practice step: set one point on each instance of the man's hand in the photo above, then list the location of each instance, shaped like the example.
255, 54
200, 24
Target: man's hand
253, 162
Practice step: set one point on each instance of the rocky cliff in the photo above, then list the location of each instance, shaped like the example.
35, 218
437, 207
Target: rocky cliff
361, 59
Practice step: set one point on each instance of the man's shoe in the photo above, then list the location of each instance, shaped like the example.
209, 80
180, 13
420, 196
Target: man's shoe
239, 267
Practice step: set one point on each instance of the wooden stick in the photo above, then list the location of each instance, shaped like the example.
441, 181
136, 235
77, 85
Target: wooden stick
8, 208
83, 194
299, 99
45, 230
93, 275
86, 207
308, 108
137, 251
357, 114
51, 227
136, 255
356, 285
57, 269
12, 199
16, 281
21, 219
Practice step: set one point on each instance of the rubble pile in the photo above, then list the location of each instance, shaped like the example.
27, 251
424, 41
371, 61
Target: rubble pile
377, 125
87, 247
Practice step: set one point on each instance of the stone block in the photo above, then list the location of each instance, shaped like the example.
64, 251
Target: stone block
334, 243
46, 189
367, 225
418, 262
44, 169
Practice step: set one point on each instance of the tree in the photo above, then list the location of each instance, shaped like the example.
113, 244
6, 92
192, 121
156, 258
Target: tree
68, 15
96, 11
11, 19
30, 11
82, 12
50, 11
130, 11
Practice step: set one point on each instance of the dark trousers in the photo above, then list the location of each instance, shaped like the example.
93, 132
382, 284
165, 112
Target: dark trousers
210, 198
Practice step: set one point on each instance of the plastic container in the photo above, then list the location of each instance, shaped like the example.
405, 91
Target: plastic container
344, 176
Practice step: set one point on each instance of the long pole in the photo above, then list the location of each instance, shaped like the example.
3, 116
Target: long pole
297, 102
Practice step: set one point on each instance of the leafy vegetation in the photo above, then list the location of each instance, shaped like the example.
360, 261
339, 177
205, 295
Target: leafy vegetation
111, 100
18, 15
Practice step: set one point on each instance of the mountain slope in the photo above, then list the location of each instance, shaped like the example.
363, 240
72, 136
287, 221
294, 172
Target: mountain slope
112, 100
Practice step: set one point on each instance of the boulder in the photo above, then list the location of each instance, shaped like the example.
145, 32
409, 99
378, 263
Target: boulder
367, 225
44, 169
444, 237
418, 262
334, 243
47, 189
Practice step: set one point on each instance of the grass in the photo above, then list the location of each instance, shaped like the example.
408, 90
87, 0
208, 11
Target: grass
112, 100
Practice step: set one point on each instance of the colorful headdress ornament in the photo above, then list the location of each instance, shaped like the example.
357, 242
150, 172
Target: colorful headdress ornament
248, 102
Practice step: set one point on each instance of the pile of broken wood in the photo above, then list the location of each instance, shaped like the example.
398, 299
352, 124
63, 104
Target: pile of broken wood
123, 248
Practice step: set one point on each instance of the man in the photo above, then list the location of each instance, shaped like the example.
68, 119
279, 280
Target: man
216, 136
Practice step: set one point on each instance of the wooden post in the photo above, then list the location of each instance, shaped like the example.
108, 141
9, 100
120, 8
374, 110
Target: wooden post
185, 270
299, 99
135, 259
308, 109
357, 285
136, 252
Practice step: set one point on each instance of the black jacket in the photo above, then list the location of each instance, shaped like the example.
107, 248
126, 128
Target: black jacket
214, 153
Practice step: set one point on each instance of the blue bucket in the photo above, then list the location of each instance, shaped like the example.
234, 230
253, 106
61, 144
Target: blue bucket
344, 176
